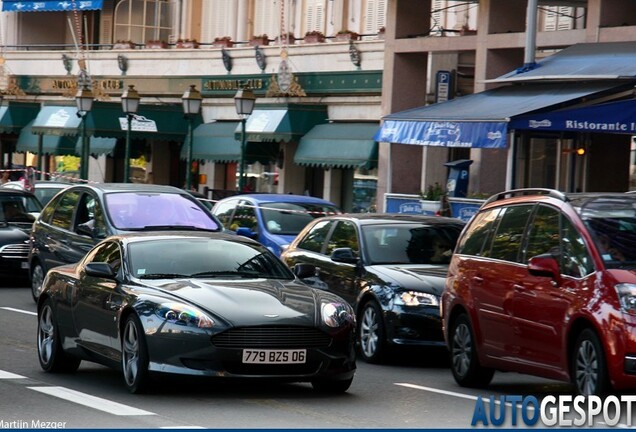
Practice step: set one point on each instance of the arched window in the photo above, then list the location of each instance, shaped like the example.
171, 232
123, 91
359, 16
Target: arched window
143, 20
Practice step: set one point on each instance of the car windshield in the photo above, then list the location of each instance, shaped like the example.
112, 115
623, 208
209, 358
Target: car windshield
286, 218
16, 208
203, 258
44, 194
142, 210
410, 243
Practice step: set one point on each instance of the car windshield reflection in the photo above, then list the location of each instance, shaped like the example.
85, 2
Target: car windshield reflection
138, 211
203, 258
290, 218
409, 244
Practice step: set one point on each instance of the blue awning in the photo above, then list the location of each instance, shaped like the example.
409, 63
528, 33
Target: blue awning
50, 6
613, 117
481, 120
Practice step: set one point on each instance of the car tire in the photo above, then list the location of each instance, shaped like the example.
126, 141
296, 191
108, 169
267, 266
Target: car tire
50, 352
589, 370
332, 386
371, 333
134, 356
37, 279
463, 355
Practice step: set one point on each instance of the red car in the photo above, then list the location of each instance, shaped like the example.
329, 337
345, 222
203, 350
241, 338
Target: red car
544, 283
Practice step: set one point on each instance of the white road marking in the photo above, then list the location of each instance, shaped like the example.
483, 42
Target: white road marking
91, 401
9, 375
19, 310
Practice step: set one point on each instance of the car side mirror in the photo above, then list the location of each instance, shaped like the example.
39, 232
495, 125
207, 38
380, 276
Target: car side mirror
344, 255
100, 270
303, 271
246, 232
544, 265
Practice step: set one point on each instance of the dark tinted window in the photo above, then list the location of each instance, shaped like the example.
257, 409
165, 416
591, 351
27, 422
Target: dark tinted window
344, 235
224, 211
543, 235
244, 216
478, 233
575, 258
315, 238
46, 214
507, 240
63, 214
290, 218
108, 253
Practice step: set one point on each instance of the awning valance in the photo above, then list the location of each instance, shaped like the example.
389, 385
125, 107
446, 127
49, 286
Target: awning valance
51, 144
282, 124
50, 6
105, 120
98, 146
481, 120
612, 117
57, 120
17, 115
214, 142
339, 145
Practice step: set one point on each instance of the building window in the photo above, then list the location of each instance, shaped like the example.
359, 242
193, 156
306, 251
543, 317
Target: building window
315, 15
266, 18
143, 20
375, 15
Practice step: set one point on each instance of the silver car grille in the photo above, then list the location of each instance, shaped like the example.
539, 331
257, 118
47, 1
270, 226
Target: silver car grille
15, 251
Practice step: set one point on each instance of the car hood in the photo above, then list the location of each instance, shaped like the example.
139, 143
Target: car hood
14, 232
418, 277
247, 302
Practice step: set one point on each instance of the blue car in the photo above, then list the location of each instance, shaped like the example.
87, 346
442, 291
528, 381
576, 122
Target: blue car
272, 219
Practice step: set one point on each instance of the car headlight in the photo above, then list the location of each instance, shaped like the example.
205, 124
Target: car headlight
337, 314
627, 297
181, 314
417, 298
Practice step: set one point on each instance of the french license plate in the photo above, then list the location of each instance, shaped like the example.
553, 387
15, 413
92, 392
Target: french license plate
274, 356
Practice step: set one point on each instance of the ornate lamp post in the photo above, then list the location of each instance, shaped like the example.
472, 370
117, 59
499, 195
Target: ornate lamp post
191, 100
129, 104
244, 101
84, 101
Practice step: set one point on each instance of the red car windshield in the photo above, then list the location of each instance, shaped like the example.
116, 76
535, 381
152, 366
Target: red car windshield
140, 210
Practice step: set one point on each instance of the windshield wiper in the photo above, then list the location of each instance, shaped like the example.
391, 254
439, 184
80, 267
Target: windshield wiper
229, 273
171, 228
163, 276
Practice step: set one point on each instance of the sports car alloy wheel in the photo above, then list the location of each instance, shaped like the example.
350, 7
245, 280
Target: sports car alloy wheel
464, 362
371, 333
134, 356
37, 278
52, 357
590, 376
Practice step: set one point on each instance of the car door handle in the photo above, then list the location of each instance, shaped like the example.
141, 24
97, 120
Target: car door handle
478, 279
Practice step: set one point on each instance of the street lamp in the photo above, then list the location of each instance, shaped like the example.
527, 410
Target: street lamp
84, 101
191, 100
244, 101
129, 104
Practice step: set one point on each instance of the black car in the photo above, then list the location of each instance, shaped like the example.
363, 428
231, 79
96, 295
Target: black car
82, 215
224, 306
390, 267
17, 210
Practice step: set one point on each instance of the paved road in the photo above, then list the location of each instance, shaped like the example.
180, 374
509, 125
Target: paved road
415, 390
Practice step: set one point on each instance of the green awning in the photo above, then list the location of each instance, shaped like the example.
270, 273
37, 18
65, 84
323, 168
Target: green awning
98, 146
57, 120
51, 144
339, 145
217, 142
17, 115
105, 120
287, 123
214, 142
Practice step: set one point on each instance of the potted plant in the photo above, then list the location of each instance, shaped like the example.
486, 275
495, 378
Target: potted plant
124, 44
314, 36
223, 42
187, 43
259, 40
346, 36
156, 44
287, 38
